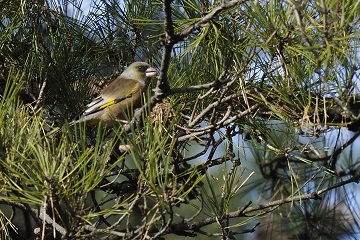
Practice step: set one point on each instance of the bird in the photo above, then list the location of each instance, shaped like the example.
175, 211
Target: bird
120, 98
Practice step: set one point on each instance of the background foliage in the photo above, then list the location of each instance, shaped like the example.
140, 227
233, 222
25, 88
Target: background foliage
249, 132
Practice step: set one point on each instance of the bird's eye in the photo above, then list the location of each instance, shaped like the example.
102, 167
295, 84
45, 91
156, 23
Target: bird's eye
141, 68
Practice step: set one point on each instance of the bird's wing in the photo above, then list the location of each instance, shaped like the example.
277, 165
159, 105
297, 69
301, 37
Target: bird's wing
105, 100
97, 104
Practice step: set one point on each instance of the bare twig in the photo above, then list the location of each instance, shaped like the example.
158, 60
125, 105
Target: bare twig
215, 127
208, 17
45, 217
41, 93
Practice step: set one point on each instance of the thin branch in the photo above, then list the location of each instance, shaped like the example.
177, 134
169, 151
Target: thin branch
45, 217
200, 87
185, 226
96, 230
208, 17
298, 18
210, 108
339, 150
216, 127
41, 93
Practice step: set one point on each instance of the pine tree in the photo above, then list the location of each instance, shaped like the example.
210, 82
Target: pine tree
250, 127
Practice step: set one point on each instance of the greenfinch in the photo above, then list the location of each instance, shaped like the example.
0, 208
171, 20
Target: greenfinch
120, 98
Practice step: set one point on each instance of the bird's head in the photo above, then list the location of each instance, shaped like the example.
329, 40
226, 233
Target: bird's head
139, 71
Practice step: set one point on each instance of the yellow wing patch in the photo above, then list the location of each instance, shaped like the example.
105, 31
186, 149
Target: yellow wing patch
109, 103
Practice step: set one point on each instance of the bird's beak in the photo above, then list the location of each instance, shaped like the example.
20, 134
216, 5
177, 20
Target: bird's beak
150, 72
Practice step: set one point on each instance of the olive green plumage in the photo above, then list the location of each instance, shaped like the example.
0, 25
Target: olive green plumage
120, 97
